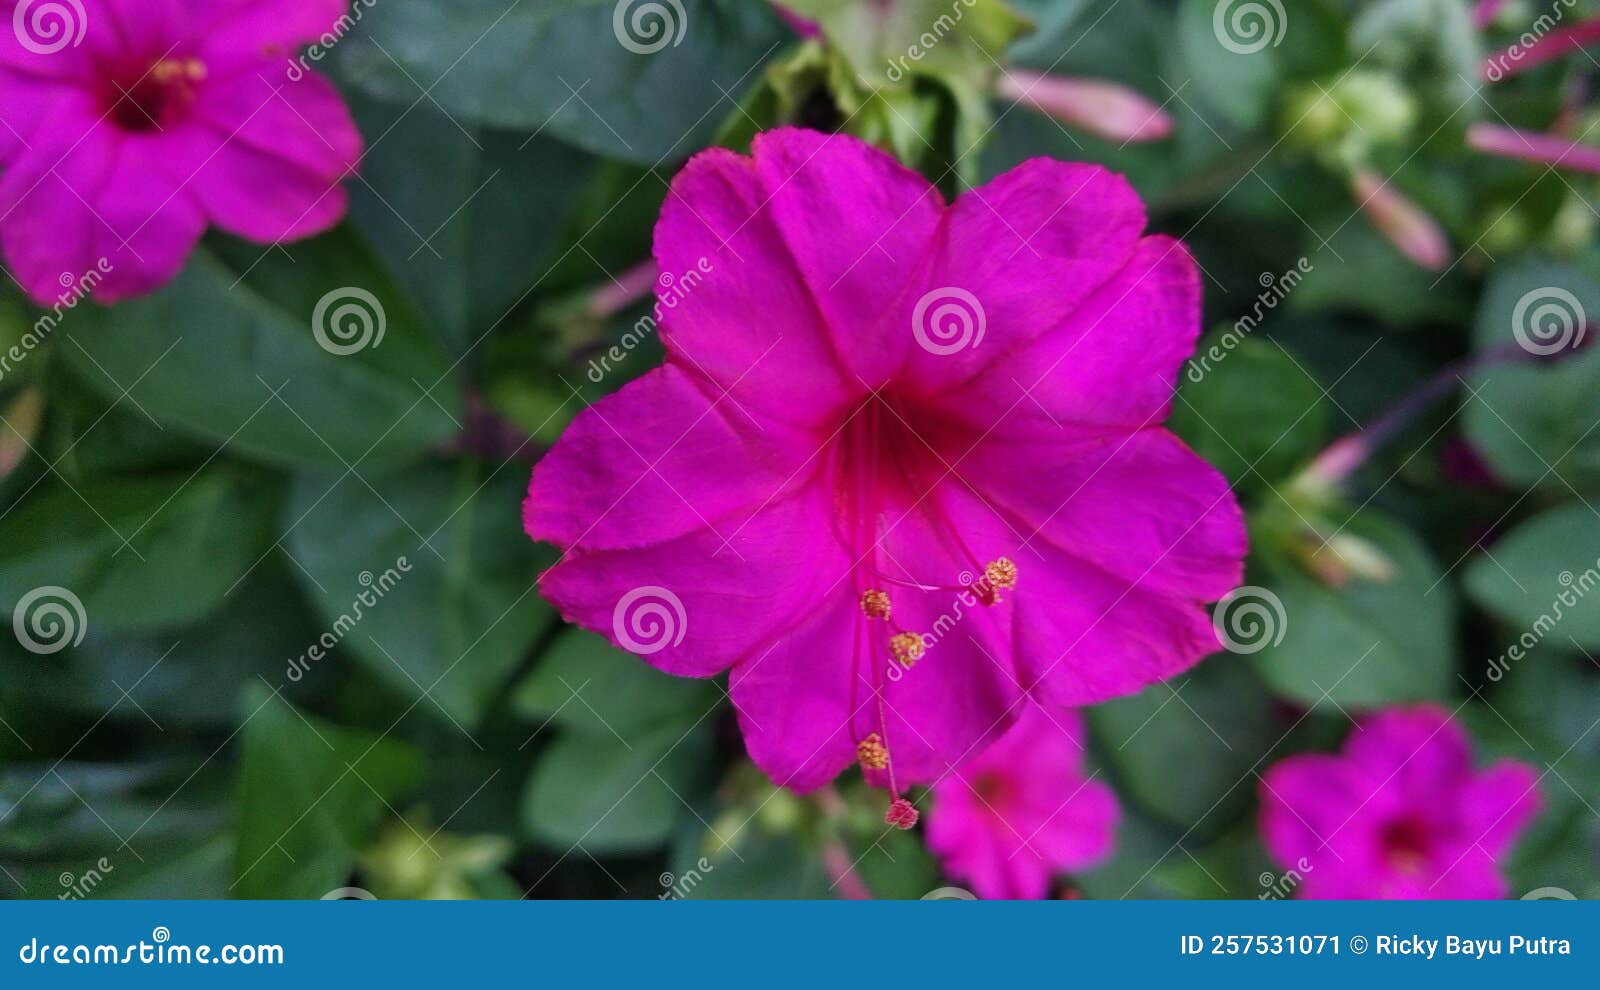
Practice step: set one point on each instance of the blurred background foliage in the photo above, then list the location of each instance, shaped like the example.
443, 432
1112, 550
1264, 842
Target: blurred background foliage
219, 490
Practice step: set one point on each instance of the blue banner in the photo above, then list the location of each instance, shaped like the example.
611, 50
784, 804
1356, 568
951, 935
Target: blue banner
138, 943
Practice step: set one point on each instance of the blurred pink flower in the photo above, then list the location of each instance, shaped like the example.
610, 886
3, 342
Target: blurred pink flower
1104, 109
132, 127
1412, 231
904, 462
1399, 814
1531, 146
1009, 820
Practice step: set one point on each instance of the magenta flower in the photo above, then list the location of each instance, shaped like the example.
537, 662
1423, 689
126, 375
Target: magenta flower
130, 128
1009, 820
903, 464
1399, 814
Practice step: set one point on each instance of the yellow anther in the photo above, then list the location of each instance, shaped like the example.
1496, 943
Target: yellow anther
1001, 573
876, 604
872, 753
907, 648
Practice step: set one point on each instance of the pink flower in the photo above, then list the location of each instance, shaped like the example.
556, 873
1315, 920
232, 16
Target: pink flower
1403, 223
1008, 821
903, 464
131, 128
1104, 109
1531, 146
1399, 814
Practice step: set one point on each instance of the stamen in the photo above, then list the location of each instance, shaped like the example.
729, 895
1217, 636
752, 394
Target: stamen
173, 69
901, 814
875, 603
907, 648
872, 753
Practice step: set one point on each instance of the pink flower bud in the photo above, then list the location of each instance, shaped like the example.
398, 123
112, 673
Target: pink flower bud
1406, 225
1529, 146
1105, 109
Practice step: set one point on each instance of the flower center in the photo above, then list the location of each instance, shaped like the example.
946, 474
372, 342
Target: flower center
155, 97
1405, 844
889, 461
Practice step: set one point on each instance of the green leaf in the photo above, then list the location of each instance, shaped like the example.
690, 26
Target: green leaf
1241, 86
1540, 577
1532, 421
468, 219
424, 576
310, 797
585, 684
190, 538
565, 66
239, 363
1247, 407
615, 794
176, 677
1218, 722
1367, 644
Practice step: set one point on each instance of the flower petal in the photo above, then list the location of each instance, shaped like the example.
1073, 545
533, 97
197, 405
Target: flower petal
271, 155
655, 461
1029, 249
859, 226
1143, 506
1111, 360
735, 589
749, 324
